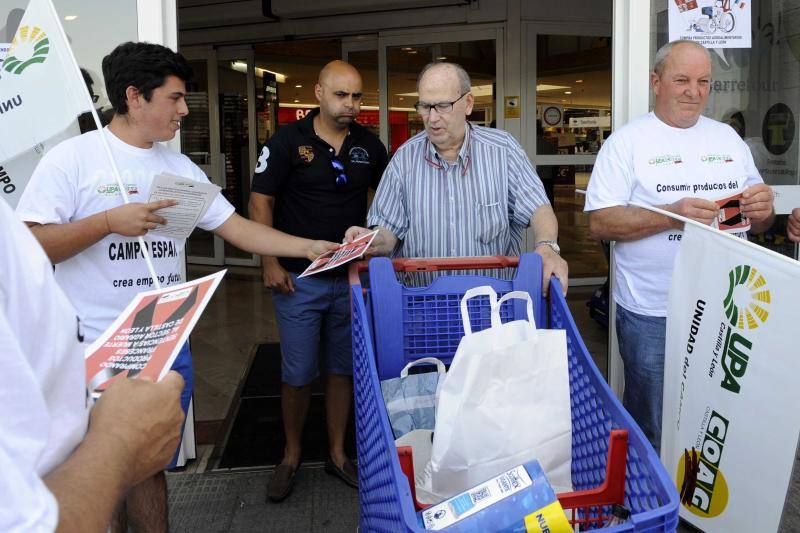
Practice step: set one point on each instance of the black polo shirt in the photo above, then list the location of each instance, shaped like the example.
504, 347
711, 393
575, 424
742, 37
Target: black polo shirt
295, 167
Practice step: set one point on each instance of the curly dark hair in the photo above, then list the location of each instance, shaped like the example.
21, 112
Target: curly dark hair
144, 66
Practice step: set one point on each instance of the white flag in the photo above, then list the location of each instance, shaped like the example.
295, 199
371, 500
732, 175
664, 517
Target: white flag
41, 89
17, 171
730, 425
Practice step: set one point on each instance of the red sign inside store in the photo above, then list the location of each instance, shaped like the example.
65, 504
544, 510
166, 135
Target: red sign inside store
367, 117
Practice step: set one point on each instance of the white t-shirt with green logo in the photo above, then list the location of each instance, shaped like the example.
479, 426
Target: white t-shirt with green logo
44, 405
650, 163
74, 181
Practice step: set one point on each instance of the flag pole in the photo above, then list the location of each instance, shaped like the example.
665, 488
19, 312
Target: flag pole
725, 235
106, 147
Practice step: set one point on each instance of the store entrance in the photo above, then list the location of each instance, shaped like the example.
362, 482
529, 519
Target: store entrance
240, 96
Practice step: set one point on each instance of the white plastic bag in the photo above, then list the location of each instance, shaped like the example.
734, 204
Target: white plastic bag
411, 399
504, 401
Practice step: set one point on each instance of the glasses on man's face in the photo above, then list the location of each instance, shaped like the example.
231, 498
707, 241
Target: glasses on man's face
441, 107
338, 172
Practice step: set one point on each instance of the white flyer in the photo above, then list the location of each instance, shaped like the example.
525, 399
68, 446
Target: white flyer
194, 198
341, 255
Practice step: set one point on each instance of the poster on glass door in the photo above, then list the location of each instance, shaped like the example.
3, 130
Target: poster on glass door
712, 23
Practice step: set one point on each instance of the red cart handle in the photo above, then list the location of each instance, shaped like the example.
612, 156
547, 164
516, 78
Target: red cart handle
436, 264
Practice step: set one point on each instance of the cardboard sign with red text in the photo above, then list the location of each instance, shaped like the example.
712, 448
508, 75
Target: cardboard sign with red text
147, 337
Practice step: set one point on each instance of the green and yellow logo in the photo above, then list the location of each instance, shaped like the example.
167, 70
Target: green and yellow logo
30, 46
748, 298
666, 159
716, 158
112, 189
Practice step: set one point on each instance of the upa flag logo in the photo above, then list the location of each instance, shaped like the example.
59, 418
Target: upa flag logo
29, 47
748, 298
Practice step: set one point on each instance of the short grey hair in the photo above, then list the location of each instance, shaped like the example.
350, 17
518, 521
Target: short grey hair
663, 54
464, 83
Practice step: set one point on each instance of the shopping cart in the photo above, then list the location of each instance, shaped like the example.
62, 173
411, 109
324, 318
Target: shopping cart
394, 324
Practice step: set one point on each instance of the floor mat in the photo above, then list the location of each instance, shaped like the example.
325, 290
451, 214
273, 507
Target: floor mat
256, 436
221, 502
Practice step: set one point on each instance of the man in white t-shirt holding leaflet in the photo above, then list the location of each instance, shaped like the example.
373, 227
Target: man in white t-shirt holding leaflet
60, 467
680, 161
74, 208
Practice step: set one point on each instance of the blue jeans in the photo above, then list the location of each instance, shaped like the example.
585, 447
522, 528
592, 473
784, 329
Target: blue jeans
183, 365
642, 344
314, 320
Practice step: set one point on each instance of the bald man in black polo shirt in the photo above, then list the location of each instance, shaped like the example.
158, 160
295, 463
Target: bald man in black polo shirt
312, 179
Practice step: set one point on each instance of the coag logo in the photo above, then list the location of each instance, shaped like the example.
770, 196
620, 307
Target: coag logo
704, 490
30, 46
748, 298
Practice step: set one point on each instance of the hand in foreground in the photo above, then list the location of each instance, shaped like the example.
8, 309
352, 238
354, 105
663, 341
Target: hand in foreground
757, 202
136, 219
553, 265
317, 248
354, 232
275, 277
698, 209
142, 421
793, 229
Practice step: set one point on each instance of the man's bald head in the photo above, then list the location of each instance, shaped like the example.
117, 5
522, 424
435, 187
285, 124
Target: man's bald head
336, 69
339, 93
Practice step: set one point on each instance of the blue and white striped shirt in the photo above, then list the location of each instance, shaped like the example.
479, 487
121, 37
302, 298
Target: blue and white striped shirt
480, 205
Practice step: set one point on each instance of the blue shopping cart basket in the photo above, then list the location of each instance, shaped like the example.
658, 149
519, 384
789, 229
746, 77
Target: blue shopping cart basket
394, 324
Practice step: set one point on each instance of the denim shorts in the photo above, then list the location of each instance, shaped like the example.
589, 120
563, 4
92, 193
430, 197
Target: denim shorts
314, 321
642, 345
183, 365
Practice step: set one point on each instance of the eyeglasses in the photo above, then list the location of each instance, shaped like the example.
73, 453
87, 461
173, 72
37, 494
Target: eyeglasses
441, 107
338, 171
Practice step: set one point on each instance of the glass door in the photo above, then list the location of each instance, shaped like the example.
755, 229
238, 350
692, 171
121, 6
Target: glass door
237, 140
568, 91
200, 142
216, 136
402, 56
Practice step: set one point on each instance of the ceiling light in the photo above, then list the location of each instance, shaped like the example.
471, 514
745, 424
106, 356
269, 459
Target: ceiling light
406, 49
476, 90
563, 100
578, 81
545, 87
441, 58
567, 92
70, 17
296, 101
298, 86
241, 66
412, 51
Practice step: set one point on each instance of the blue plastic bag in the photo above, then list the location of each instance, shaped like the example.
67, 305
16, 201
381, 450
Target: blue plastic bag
411, 399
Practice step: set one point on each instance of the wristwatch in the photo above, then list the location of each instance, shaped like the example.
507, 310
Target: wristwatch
552, 244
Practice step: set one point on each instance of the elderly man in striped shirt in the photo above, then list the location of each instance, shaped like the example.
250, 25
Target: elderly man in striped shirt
457, 189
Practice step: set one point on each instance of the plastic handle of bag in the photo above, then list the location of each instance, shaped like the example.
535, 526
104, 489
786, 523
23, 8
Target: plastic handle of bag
425, 360
483, 290
515, 295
